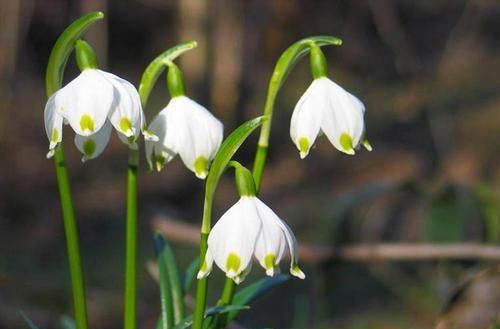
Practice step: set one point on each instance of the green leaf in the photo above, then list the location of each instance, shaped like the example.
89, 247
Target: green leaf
157, 66
166, 256
226, 152
211, 312
63, 48
66, 322
250, 293
28, 321
190, 275
167, 313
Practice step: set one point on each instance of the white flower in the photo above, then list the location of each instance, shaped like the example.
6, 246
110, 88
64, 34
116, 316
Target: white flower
327, 107
249, 228
90, 104
186, 128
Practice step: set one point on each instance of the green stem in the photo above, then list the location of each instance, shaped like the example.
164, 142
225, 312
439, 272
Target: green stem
130, 311
72, 245
201, 287
281, 71
226, 299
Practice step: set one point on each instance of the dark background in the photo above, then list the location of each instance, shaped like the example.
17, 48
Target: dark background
428, 73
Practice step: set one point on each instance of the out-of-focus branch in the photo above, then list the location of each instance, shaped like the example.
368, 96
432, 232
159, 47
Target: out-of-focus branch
176, 230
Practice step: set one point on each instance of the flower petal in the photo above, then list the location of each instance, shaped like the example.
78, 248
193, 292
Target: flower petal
206, 266
92, 146
86, 101
232, 239
292, 245
53, 124
126, 113
343, 122
271, 241
201, 134
158, 151
306, 118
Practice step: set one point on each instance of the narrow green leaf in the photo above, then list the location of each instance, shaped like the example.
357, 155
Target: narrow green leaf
63, 48
190, 275
156, 67
166, 256
489, 203
28, 321
248, 294
226, 152
188, 321
167, 310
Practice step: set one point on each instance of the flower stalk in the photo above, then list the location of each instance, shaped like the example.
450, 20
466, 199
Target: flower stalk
53, 82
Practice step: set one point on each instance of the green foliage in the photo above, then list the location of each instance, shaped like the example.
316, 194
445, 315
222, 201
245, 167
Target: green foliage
188, 321
190, 275
490, 208
28, 321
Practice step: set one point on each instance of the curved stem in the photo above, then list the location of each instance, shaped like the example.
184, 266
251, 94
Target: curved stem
72, 244
283, 67
130, 311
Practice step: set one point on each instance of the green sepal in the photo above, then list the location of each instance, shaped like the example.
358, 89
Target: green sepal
156, 67
245, 183
63, 48
175, 81
85, 55
317, 62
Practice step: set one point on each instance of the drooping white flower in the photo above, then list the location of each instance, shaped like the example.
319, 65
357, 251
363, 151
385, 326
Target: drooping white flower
249, 228
186, 128
326, 107
88, 104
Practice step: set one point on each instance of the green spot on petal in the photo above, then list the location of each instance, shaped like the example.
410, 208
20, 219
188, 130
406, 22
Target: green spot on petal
87, 123
297, 272
233, 263
269, 261
55, 136
89, 147
201, 167
160, 162
367, 145
204, 266
125, 125
346, 143
304, 147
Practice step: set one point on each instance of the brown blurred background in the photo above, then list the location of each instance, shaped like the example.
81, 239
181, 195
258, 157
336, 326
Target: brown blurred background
429, 75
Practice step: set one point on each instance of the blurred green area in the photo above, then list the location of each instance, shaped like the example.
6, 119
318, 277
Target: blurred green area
428, 75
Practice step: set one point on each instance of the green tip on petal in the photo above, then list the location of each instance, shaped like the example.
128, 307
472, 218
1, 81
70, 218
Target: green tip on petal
233, 263
346, 143
203, 272
160, 162
89, 147
269, 261
367, 145
87, 123
126, 127
149, 136
54, 138
297, 272
201, 167
304, 147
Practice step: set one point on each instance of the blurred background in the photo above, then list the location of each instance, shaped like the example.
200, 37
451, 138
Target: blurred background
429, 75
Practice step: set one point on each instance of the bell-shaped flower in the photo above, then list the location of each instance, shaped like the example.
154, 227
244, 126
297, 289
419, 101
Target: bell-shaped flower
186, 128
328, 108
249, 228
90, 104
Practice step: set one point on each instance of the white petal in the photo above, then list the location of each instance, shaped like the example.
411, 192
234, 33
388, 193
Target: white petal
126, 113
92, 146
343, 122
201, 134
294, 256
235, 235
306, 118
158, 151
86, 101
271, 241
53, 123
206, 266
